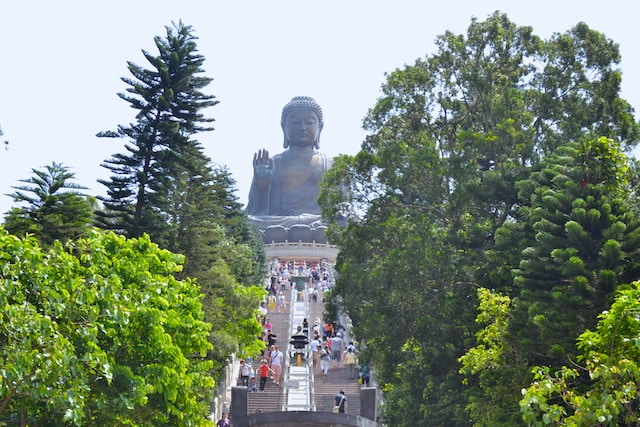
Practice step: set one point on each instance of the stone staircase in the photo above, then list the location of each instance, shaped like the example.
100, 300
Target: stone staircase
272, 398
325, 387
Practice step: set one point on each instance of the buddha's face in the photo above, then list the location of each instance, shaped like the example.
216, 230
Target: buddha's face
302, 127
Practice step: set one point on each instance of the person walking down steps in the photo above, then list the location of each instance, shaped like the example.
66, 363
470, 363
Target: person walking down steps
244, 372
264, 370
276, 357
337, 348
325, 359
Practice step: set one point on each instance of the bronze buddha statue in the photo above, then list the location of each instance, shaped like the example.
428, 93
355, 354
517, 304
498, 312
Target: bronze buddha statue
284, 191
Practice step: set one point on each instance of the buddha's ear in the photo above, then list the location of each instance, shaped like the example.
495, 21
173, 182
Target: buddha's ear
317, 143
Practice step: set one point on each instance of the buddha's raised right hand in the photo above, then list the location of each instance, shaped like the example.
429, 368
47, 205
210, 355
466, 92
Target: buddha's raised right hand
263, 166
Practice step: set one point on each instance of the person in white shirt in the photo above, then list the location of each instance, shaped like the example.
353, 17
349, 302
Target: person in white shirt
315, 346
244, 372
276, 364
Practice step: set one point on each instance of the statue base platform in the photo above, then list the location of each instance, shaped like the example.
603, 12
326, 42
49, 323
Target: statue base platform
302, 242
301, 251
294, 233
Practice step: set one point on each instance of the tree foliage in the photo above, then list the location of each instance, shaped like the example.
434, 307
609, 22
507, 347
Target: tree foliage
166, 186
53, 208
99, 332
578, 245
586, 245
583, 244
608, 369
435, 183
169, 103
487, 364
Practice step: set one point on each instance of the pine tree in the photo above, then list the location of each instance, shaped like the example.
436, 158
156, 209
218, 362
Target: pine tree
54, 208
586, 245
166, 187
169, 102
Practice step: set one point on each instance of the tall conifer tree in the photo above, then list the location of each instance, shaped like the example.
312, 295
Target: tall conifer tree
586, 245
161, 151
166, 187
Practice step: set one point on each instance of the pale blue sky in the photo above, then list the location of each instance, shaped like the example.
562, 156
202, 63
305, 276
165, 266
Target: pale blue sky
62, 62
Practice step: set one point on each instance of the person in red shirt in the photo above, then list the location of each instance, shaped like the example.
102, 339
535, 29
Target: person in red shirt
264, 370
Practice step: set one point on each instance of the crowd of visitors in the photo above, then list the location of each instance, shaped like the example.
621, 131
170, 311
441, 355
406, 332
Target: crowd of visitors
327, 340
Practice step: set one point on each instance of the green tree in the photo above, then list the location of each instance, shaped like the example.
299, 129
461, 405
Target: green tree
99, 332
54, 208
608, 372
491, 361
434, 180
166, 187
169, 105
240, 229
634, 180
583, 244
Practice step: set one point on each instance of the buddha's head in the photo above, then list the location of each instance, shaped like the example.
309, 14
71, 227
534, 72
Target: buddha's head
301, 122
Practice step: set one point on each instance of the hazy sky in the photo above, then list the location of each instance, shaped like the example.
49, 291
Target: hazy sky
62, 62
